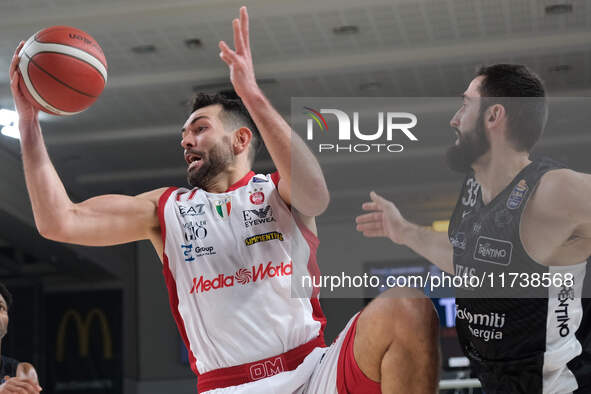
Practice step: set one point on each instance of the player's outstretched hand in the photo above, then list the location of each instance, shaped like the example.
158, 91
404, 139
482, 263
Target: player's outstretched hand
239, 60
383, 220
20, 386
26, 111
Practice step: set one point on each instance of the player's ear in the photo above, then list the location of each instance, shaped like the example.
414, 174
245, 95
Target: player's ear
242, 138
494, 114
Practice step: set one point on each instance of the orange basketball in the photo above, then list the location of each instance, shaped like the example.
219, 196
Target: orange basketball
63, 70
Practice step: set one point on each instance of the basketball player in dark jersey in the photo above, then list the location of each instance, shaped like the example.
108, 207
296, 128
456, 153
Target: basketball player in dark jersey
15, 377
513, 216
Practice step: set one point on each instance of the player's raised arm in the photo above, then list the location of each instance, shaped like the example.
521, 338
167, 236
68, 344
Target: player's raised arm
385, 220
282, 144
100, 221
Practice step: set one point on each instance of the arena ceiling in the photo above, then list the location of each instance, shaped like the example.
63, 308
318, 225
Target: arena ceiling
161, 52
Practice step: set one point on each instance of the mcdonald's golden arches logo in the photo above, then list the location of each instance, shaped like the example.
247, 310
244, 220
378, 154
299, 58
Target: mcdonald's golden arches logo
83, 329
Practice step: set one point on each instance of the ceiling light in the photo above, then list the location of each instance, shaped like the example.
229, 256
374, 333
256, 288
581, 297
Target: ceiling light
11, 131
558, 9
224, 85
193, 43
370, 86
560, 68
8, 117
9, 121
144, 49
345, 30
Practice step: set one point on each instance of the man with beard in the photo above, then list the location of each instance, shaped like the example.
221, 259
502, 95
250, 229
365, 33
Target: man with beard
514, 216
15, 377
229, 248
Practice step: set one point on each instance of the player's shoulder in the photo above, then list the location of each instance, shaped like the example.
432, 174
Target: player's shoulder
154, 195
561, 180
563, 189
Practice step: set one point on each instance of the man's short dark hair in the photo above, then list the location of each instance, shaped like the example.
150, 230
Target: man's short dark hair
233, 114
6, 294
528, 112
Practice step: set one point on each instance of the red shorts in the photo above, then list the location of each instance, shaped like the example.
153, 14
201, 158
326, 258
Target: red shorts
329, 370
350, 378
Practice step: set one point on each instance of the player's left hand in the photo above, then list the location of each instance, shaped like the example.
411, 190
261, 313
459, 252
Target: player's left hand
239, 60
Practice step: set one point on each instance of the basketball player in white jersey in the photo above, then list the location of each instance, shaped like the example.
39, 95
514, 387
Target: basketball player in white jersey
229, 247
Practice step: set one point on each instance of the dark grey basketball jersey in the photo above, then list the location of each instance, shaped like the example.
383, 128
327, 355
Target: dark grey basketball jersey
524, 326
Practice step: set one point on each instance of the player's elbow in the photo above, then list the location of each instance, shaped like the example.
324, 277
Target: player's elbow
318, 201
49, 231
53, 230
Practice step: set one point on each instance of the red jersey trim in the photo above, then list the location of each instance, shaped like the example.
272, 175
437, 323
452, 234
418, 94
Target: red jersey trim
256, 370
242, 182
275, 178
314, 271
170, 282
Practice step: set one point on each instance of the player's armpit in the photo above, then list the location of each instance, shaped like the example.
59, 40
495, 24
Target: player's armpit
312, 200
308, 221
108, 220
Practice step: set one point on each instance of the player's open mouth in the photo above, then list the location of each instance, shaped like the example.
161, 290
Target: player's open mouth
193, 160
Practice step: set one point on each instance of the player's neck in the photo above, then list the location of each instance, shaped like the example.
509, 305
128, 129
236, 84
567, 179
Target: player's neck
224, 180
494, 172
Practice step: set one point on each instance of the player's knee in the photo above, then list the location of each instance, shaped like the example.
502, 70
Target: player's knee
404, 316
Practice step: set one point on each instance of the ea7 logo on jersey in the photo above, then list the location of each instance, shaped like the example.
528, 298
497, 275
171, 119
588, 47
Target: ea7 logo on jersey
253, 217
495, 251
191, 210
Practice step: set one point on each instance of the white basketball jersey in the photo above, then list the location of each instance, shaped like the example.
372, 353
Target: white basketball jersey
229, 259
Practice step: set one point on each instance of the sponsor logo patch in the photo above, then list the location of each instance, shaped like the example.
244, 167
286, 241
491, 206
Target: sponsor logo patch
483, 326
517, 195
223, 207
263, 238
243, 277
190, 251
458, 241
565, 295
191, 209
253, 217
256, 196
495, 251
195, 230
259, 179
